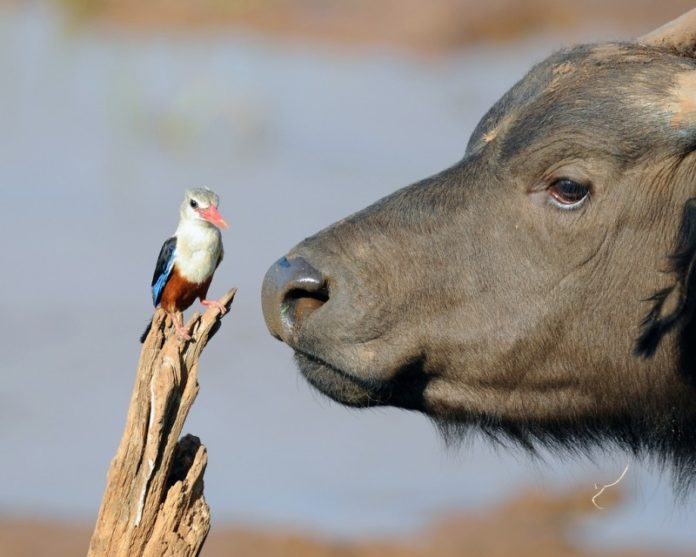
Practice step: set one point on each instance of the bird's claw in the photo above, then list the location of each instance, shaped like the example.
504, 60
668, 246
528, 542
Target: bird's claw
183, 335
215, 304
181, 331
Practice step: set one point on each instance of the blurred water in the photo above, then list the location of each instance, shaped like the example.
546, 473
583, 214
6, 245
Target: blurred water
101, 133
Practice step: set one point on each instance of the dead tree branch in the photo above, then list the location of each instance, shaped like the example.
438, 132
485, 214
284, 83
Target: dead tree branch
153, 504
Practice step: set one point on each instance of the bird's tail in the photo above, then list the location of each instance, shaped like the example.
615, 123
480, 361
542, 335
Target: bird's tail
146, 332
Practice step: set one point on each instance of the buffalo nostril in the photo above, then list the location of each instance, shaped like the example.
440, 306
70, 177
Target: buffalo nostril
292, 289
298, 304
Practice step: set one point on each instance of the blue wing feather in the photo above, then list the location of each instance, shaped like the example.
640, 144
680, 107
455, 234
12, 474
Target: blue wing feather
163, 269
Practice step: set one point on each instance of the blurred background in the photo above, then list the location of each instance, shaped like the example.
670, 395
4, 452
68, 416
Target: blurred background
297, 112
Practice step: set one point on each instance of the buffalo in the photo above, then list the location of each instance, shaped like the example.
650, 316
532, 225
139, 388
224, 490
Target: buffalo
540, 290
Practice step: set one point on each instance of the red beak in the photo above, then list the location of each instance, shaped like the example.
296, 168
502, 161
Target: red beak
212, 215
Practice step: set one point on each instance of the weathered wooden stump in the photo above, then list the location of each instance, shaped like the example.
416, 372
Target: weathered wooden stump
153, 504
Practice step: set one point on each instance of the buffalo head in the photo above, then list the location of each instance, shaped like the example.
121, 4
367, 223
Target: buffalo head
542, 287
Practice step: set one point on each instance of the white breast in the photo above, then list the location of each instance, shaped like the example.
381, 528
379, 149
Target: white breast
198, 249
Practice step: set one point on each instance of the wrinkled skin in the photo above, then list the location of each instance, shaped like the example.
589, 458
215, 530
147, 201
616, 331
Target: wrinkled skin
477, 298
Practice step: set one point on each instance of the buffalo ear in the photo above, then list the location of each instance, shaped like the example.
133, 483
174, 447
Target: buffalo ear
678, 35
674, 306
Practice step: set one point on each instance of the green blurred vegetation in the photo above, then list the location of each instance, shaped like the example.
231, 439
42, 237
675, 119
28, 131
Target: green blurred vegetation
81, 10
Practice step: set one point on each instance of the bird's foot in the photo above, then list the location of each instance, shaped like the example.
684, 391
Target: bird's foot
180, 328
215, 304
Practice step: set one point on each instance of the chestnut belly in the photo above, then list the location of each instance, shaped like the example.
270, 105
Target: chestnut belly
179, 293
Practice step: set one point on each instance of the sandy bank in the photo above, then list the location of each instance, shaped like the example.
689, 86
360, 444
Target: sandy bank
531, 525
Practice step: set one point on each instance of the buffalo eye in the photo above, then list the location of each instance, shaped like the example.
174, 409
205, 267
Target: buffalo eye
568, 194
194, 204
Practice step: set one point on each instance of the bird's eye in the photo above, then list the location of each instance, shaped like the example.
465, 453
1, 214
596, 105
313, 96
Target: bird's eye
194, 204
568, 194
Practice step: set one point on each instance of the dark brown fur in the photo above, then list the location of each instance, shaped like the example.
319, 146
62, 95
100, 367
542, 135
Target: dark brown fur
470, 297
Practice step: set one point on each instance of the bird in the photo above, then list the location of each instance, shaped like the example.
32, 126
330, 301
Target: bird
188, 260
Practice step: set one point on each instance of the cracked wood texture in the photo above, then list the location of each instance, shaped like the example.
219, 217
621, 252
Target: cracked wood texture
153, 504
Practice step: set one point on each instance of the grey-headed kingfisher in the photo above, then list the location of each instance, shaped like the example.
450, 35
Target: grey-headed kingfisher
189, 258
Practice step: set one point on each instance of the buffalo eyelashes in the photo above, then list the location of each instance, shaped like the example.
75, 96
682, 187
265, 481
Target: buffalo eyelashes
674, 306
568, 194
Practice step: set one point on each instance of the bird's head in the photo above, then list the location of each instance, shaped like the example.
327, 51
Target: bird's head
200, 204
